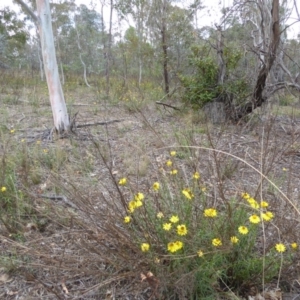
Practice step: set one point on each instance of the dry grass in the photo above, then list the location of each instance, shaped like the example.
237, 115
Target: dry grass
76, 246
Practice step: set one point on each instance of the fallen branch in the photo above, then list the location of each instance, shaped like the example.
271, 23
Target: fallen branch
61, 198
99, 123
167, 105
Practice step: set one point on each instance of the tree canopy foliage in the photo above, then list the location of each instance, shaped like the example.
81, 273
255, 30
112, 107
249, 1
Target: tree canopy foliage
164, 41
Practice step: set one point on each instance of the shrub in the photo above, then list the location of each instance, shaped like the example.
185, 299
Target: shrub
197, 244
202, 85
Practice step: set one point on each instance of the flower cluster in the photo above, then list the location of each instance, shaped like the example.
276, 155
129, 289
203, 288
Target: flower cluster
175, 246
264, 215
136, 202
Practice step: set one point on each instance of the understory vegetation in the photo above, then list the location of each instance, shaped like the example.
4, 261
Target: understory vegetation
157, 204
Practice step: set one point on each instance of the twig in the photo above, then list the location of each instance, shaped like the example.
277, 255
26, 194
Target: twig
59, 197
99, 123
168, 105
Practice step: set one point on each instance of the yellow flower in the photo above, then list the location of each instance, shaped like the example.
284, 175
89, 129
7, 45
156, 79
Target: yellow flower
196, 175
254, 219
160, 215
234, 240
203, 189
280, 247
139, 197
127, 219
294, 246
216, 242
210, 212
38, 142
243, 230
174, 246
145, 247
22, 140
156, 186
264, 204
167, 226
3, 189
179, 245
188, 193
253, 203
245, 196
131, 206
173, 172
12, 131
138, 203
182, 230
267, 216
123, 181
200, 253
45, 150
174, 219
284, 169
169, 163
173, 153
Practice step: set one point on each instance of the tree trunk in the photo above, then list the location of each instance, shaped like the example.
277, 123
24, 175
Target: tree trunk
257, 97
108, 50
58, 105
165, 49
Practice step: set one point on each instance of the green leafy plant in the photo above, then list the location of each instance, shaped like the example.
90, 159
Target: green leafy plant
200, 243
202, 86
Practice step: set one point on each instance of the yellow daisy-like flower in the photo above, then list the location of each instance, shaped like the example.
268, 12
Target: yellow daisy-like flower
188, 193
179, 245
22, 140
160, 215
3, 189
38, 142
173, 172
243, 230
173, 153
253, 203
182, 230
203, 189
167, 226
200, 253
284, 169
132, 206
139, 196
245, 196
12, 131
169, 163
175, 246
267, 216
294, 246
45, 150
280, 247
174, 219
127, 219
196, 175
254, 219
210, 212
234, 240
123, 181
264, 204
216, 242
156, 186
138, 203
145, 247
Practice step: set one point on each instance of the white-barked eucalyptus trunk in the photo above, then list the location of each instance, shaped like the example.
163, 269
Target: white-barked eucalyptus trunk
56, 95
